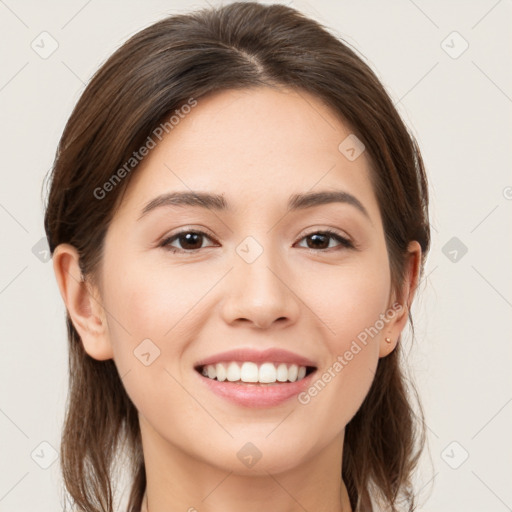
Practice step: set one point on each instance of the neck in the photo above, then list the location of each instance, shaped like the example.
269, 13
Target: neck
176, 481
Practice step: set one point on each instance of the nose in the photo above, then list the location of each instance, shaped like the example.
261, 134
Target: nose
260, 293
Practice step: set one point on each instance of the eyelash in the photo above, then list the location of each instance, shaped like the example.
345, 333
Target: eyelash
344, 242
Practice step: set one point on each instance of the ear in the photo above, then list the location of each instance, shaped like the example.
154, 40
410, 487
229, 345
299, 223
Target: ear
402, 304
82, 302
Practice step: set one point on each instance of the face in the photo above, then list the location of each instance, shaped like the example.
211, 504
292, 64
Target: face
253, 270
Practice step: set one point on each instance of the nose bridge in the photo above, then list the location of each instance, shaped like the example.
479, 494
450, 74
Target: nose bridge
259, 288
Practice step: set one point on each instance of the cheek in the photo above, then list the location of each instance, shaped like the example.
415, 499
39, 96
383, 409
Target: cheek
351, 300
351, 303
155, 304
154, 315
150, 321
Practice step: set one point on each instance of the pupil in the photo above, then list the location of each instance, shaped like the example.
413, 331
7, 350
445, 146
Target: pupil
315, 237
189, 240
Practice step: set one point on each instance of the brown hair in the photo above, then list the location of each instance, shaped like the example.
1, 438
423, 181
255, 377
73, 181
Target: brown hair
154, 73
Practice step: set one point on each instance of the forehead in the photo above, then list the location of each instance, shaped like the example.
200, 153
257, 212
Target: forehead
260, 144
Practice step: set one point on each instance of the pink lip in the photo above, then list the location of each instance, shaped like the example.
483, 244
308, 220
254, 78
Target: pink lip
257, 395
270, 355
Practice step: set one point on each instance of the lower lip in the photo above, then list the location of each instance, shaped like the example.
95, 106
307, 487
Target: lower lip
257, 395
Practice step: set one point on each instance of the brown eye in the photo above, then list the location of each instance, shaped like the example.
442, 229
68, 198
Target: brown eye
320, 240
189, 241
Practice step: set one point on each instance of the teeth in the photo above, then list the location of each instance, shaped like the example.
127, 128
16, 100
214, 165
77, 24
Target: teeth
293, 373
282, 373
220, 370
267, 373
249, 372
233, 373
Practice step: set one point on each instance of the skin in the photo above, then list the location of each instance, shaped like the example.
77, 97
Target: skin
256, 147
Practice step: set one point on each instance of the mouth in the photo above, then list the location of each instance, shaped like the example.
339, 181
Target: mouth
256, 378
251, 373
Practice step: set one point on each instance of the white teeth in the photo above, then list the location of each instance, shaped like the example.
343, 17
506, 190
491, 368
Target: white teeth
249, 372
233, 372
266, 373
220, 370
293, 372
282, 373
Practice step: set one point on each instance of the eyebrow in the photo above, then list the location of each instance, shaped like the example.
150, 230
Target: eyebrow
218, 202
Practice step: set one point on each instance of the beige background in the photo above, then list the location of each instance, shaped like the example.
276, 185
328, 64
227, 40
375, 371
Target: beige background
457, 103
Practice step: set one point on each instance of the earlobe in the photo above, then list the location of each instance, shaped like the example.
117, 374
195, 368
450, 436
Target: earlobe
82, 303
394, 328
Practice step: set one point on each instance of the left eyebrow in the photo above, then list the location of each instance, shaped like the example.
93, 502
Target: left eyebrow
308, 200
218, 202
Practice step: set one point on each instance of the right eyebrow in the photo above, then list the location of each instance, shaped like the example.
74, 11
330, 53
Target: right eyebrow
202, 199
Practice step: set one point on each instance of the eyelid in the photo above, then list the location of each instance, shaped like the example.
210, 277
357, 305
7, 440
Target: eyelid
329, 230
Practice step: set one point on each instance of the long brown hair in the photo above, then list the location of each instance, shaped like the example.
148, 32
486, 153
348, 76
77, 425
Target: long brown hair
157, 71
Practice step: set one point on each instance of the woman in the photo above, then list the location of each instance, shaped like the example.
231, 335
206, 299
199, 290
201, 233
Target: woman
238, 220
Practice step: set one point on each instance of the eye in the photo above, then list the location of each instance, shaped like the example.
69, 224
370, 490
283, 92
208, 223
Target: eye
319, 239
192, 240
189, 240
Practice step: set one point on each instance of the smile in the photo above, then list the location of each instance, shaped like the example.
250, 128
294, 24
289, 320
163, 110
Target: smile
250, 372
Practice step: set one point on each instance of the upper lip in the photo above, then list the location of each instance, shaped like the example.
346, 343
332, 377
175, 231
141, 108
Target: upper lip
272, 355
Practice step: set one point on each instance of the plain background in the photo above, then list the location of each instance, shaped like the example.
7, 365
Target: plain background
457, 101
